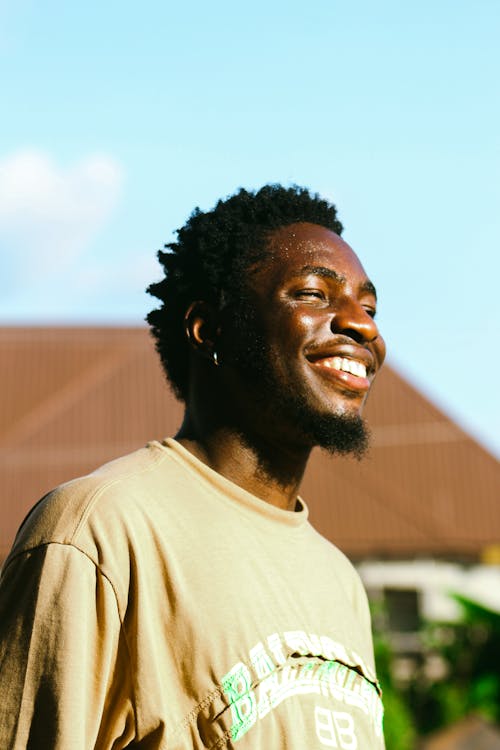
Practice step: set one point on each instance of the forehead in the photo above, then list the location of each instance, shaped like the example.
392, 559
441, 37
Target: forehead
296, 246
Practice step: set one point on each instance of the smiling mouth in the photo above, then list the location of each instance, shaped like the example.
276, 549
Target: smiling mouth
343, 364
350, 374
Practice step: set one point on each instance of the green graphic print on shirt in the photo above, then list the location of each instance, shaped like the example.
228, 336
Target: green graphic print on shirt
297, 663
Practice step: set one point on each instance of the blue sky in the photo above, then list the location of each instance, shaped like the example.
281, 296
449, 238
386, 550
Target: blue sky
119, 118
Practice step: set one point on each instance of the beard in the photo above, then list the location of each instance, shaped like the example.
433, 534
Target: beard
336, 432
283, 402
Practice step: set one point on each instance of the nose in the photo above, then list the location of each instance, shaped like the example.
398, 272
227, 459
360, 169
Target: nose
353, 320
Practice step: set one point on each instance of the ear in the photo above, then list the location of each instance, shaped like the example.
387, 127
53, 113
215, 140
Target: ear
202, 326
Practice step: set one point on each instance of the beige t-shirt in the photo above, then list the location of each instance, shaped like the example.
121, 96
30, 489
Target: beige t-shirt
154, 604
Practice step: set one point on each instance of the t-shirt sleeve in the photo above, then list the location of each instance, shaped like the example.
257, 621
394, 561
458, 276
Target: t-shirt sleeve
64, 667
362, 607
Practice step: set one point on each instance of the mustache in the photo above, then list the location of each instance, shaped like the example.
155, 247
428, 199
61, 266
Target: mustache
339, 340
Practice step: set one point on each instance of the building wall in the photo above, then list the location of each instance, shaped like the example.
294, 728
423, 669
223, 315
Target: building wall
434, 581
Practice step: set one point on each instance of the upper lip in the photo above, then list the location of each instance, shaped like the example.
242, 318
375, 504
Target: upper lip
349, 351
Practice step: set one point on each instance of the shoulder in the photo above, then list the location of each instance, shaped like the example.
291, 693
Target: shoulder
109, 497
112, 517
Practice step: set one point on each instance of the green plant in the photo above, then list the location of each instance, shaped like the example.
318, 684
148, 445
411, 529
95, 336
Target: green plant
469, 652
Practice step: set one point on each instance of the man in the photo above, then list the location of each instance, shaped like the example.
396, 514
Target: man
177, 598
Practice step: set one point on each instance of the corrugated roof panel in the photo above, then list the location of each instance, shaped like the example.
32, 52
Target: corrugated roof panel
77, 397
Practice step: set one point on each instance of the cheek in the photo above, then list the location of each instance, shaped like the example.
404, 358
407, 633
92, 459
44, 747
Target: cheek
302, 325
294, 333
308, 321
288, 332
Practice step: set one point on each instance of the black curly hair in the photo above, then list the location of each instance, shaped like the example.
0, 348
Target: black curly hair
212, 251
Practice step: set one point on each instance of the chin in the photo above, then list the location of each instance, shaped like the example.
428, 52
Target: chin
341, 430
341, 434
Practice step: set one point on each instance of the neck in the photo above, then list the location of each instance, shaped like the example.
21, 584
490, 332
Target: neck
269, 469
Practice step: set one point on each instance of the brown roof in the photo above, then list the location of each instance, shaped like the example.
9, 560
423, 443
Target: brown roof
75, 397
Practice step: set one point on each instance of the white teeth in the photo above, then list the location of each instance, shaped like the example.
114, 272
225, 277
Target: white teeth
357, 368
346, 365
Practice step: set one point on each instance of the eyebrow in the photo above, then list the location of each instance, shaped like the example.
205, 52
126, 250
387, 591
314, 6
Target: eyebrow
329, 273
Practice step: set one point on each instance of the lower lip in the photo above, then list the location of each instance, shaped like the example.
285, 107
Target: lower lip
348, 380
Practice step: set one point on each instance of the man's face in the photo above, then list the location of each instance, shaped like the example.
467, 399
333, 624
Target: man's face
305, 343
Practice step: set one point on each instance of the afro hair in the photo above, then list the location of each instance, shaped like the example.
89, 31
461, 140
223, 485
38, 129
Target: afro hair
212, 251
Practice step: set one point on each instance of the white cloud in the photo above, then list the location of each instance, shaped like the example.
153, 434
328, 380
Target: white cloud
50, 214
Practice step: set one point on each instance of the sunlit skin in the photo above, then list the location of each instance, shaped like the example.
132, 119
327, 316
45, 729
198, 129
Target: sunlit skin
314, 308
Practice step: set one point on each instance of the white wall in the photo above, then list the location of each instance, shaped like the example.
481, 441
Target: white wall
435, 580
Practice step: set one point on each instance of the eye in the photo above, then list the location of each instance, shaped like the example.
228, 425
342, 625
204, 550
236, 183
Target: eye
310, 293
370, 311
